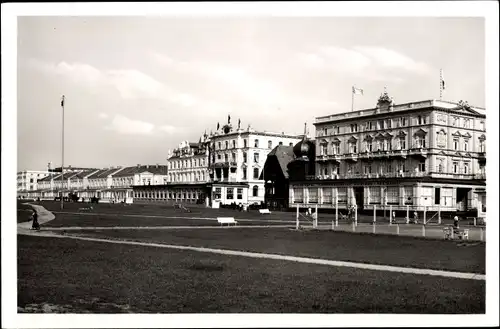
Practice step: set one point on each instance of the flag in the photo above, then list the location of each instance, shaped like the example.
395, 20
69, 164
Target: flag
228, 119
218, 126
357, 91
62, 101
442, 81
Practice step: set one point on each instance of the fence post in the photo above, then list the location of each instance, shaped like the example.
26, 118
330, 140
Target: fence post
353, 227
425, 215
373, 228
356, 215
423, 230
336, 209
390, 215
297, 219
374, 214
407, 214
475, 221
316, 217
397, 229
481, 237
439, 214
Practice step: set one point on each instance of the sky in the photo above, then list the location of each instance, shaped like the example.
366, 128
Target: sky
136, 87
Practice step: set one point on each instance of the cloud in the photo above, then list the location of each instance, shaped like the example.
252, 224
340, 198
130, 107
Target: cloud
129, 83
374, 63
169, 129
124, 125
103, 115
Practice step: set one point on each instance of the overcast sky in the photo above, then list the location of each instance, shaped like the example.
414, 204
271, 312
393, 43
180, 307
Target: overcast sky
136, 87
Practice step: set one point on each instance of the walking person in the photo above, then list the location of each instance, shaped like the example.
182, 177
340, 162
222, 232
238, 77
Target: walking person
35, 225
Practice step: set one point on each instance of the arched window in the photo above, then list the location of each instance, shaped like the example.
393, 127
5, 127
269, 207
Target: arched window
255, 190
255, 173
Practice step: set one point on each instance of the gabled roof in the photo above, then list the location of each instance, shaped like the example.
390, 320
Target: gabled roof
103, 173
48, 178
84, 173
284, 155
153, 169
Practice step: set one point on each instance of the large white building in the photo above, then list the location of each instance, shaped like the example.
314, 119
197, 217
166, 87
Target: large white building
27, 180
428, 155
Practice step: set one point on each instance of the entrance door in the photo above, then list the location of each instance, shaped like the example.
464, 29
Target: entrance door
462, 198
358, 195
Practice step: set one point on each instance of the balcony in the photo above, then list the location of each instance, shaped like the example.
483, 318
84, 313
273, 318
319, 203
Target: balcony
353, 157
481, 176
418, 152
224, 164
481, 157
328, 157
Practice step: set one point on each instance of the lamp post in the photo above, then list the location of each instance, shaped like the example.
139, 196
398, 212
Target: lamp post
62, 161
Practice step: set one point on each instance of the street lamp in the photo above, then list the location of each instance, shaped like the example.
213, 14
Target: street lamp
62, 162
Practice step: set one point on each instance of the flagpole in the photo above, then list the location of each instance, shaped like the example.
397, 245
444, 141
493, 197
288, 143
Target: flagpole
441, 84
352, 100
62, 161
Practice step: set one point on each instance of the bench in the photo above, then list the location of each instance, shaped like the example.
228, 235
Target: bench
264, 211
226, 220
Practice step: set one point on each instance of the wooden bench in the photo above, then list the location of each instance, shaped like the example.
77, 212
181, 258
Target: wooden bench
226, 220
264, 211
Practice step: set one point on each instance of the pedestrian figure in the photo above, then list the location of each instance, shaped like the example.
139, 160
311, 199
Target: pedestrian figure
35, 225
415, 217
455, 224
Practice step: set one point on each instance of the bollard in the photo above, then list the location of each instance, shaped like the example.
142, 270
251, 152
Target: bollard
423, 230
407, 214
297, 219
475, 221
374, 214
373, 228
439, 215
316, 218
353, 227
481, 237
397, 229
390, 215
336, 212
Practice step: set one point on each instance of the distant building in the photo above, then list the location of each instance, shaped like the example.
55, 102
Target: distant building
27, 180
427, 155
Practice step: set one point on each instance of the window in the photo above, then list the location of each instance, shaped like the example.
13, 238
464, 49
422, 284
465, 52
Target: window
298, 195
369, 146
234, 144
324, 149
368, 169
440, 168
217, 193
255, 173
226, 157
374, 194
420, 142
313, 195
325, 171
392, 195
244, 143
466, 145
370, 125
230, 193
245, 157
421, 166
244, 173
290, 144
384, 145
437, 195
255, 190
403, 122
219, 145
421, 120
389, 123
269, 144
280, 143
256, 157
233, 156
483, 127
455, 167
336, 148
466, 123
219, 156
455, 144
466, 168
354, 127
239, 193
353, 148
482, 146
256, 143
327, 195
381, 124
454, 121
226, 144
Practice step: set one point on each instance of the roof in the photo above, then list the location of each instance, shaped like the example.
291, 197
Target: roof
130, 171
103, 173
48, 178
84, 173
284, 155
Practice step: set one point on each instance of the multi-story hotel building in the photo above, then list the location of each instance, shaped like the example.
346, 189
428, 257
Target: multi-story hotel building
237, 160
27, 180
428, 154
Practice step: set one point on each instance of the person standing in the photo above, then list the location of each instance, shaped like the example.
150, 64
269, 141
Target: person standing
35, 225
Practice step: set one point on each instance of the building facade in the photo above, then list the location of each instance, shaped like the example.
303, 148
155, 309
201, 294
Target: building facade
27, 180
427, 155
237, 158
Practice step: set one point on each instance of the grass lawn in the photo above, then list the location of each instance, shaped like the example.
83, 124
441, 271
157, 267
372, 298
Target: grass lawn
110, 220
367, 248
66, 275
